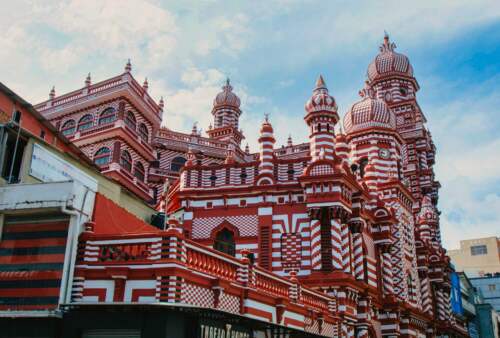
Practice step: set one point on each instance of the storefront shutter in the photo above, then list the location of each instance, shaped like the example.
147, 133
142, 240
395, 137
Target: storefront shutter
111, 333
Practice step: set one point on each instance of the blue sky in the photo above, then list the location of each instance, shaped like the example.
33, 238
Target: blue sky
273, 51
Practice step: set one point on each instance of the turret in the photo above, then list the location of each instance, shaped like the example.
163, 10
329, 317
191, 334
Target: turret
266, 156
321, 117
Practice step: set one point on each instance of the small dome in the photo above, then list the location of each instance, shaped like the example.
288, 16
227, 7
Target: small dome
226, 97
368, 113
388, 62
320, 99
266, 126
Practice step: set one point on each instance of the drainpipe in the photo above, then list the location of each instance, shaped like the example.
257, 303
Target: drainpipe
72, 247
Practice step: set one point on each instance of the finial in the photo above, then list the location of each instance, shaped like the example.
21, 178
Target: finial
194, 131
52, 93
145, 85
387, 46
161, 104
88, 81
289, 141
320, 82
266, 117
210, 127
128, 66
227, 87
247, 149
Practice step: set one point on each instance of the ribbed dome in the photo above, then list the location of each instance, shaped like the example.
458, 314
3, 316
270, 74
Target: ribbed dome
320, 99
368, 113
226, 97
388, 62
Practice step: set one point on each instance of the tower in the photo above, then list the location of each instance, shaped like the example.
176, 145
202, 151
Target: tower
390, 74
266, 156
226, 112
321, 117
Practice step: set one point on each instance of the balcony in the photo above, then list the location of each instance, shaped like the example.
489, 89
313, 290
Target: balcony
219, 281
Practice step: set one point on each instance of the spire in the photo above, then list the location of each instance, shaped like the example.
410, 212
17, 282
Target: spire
88, 80
289, 141
52, 93
320, 83
145, 85
128, 67
387, 45
161, 104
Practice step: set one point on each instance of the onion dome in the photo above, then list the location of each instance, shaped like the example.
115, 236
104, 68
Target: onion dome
388, 62
321, 100
369, 113
266, 126
226, 97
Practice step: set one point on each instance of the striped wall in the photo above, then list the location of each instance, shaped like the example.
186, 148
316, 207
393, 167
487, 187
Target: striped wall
32, 255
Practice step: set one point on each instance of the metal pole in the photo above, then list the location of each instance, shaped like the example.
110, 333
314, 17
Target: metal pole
15, 153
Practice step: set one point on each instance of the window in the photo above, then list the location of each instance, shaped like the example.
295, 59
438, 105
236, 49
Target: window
68, 128
126, 160
143, 132
492, 287
16, 117
477, 250
107, 116
102, 156
42, 134
12, 146
86, 122
177, 163
130, 120
362, 165
139, 171
224, 242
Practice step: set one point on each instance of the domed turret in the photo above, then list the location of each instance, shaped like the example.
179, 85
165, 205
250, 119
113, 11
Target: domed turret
321, 117
226, 97
389, 63
369, 113
321, 100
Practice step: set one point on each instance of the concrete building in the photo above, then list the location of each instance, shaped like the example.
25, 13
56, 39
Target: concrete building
478, 256
489, 285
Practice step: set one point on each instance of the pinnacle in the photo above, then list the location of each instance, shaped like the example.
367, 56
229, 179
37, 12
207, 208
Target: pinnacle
320, 82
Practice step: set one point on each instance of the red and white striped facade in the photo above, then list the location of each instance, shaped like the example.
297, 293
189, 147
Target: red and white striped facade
351, 215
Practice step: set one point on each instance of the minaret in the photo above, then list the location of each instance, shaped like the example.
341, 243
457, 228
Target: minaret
321, 117
266, 156
128, 67
52, 93
226, 112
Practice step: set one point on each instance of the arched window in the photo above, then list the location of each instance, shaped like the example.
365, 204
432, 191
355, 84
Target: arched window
86, 122
107, 116
102, 156
362, 165
130, 120
68, 128
139, 171
143, 132
126, 160
224, 242
177, 163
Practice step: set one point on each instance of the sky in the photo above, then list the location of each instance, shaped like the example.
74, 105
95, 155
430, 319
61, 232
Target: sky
273, 51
